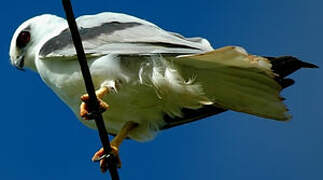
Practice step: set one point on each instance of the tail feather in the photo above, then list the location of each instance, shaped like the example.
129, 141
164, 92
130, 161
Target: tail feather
235, 80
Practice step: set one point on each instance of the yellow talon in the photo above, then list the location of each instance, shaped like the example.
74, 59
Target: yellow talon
84, 112
115, 143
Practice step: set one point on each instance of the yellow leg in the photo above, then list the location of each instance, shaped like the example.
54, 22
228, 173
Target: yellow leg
102, 91
123, 133
115, 144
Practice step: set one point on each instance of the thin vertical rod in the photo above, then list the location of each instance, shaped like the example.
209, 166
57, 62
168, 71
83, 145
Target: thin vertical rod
93, 101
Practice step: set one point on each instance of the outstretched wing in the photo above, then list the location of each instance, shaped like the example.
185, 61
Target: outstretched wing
116, 33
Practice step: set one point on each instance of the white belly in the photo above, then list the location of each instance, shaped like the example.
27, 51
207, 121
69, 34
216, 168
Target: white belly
146, 93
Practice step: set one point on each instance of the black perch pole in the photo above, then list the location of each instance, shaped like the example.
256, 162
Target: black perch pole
93, 101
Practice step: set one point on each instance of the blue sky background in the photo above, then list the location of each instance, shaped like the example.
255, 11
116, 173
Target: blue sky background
41, 139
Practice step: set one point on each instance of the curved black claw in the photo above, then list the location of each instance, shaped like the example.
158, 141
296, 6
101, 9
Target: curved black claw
108, 161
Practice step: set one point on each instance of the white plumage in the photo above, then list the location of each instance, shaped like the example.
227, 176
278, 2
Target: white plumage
152, 72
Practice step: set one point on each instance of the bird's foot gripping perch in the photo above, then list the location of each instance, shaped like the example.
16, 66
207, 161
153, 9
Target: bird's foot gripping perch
101, 156
84, 111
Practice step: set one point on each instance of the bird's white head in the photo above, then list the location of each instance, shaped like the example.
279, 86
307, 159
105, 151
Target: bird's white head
30, 36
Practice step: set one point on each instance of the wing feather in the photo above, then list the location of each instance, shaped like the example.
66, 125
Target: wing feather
107, 33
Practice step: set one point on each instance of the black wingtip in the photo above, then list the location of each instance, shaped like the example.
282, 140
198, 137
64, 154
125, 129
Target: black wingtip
300, 64
308, 65
286, 65
285, 83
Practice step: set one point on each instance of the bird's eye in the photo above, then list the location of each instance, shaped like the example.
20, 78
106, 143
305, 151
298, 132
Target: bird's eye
23, 39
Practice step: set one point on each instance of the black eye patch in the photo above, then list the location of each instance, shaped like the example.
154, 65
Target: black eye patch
23, 39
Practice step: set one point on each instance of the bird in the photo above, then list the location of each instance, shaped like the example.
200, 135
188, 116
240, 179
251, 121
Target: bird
148, 79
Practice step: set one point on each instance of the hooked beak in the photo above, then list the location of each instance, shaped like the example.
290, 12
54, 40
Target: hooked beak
20, 62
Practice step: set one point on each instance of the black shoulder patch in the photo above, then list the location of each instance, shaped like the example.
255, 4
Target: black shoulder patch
64, 39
